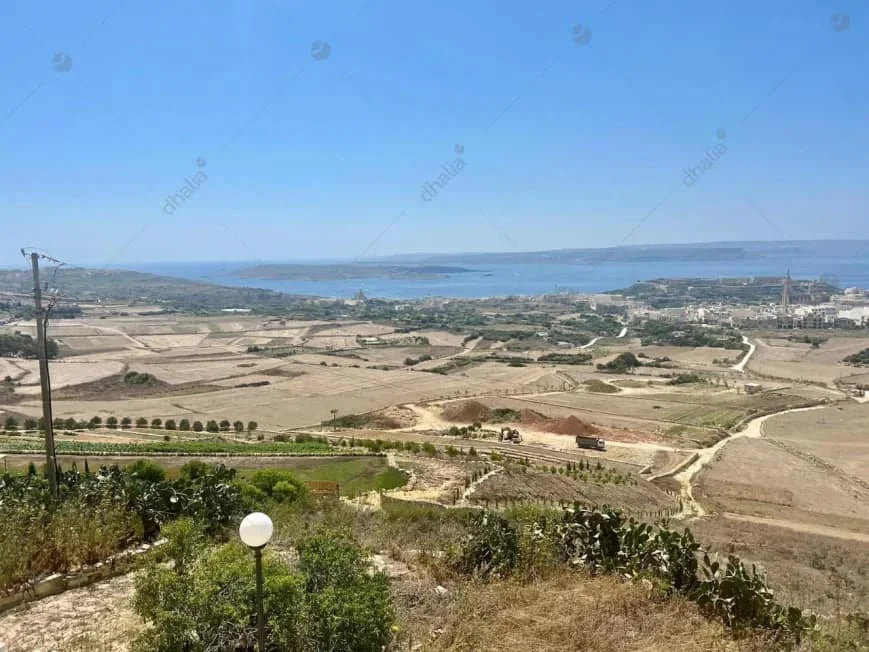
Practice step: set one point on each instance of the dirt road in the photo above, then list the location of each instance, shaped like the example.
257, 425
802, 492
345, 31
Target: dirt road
753, 429
740, 366
811, 528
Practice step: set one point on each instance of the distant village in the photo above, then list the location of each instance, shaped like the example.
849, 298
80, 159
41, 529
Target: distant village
795, 310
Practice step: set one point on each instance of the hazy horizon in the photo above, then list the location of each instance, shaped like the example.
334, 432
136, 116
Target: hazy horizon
407, 257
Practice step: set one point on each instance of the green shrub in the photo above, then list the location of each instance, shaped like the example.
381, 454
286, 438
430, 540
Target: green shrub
206, 600
490, 549
208, 605
147, 470
278, 484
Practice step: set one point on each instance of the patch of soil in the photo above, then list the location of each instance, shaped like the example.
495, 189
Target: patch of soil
571, 426
467, 411
114, 387
282, 371
599, 386
383, 422
401, 416
531, 417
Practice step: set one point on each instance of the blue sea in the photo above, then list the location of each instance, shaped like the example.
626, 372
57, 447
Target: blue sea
844, 270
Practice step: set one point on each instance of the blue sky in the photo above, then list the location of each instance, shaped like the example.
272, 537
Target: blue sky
565, 144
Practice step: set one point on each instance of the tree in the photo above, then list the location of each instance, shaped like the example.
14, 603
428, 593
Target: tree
156, 423
238, 426
96, 422
184, 424
30, 424
70, 423
11, 423
58, 423
112, 422
225, 425
141, 422
126, 422
170, 424
212, 426
197, 426
251, 426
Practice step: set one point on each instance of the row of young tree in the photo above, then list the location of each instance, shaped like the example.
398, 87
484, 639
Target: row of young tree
11, 424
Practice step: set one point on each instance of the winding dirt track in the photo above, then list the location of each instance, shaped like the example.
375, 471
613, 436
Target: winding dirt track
753, 429
740, 366
799, 526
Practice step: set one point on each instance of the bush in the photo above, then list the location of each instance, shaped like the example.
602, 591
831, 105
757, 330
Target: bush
147, 470
197, 426
685, 379
210, 596
212, 426
490, 549
170, 424
141, 422
331, 603
622, 363
157, 423
278, 484
184, 424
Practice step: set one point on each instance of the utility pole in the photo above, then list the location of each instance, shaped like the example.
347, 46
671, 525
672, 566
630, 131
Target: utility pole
44, 381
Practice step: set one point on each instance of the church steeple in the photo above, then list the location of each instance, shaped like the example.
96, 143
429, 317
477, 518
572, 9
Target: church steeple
786, 293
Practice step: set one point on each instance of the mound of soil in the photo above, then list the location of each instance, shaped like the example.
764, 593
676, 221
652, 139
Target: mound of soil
571, 426
531, 417
467, 412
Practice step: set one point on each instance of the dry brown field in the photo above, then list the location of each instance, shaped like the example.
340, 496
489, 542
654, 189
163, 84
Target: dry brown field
838, 435
757, 477
781, 358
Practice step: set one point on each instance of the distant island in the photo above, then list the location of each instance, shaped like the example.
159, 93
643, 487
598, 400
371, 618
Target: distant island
299, 272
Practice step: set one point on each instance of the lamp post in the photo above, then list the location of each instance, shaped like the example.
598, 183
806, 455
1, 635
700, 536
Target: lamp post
255, 531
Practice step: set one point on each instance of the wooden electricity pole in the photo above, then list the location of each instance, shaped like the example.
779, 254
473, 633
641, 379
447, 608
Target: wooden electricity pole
44, 381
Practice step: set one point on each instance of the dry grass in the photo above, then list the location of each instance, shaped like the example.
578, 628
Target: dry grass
574, 611
835, 434
756, 477
808, 570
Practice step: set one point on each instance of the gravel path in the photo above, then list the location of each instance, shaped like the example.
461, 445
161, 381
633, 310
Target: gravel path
96, 618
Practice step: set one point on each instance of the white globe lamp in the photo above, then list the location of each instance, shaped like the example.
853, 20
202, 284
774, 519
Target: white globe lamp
256, 530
